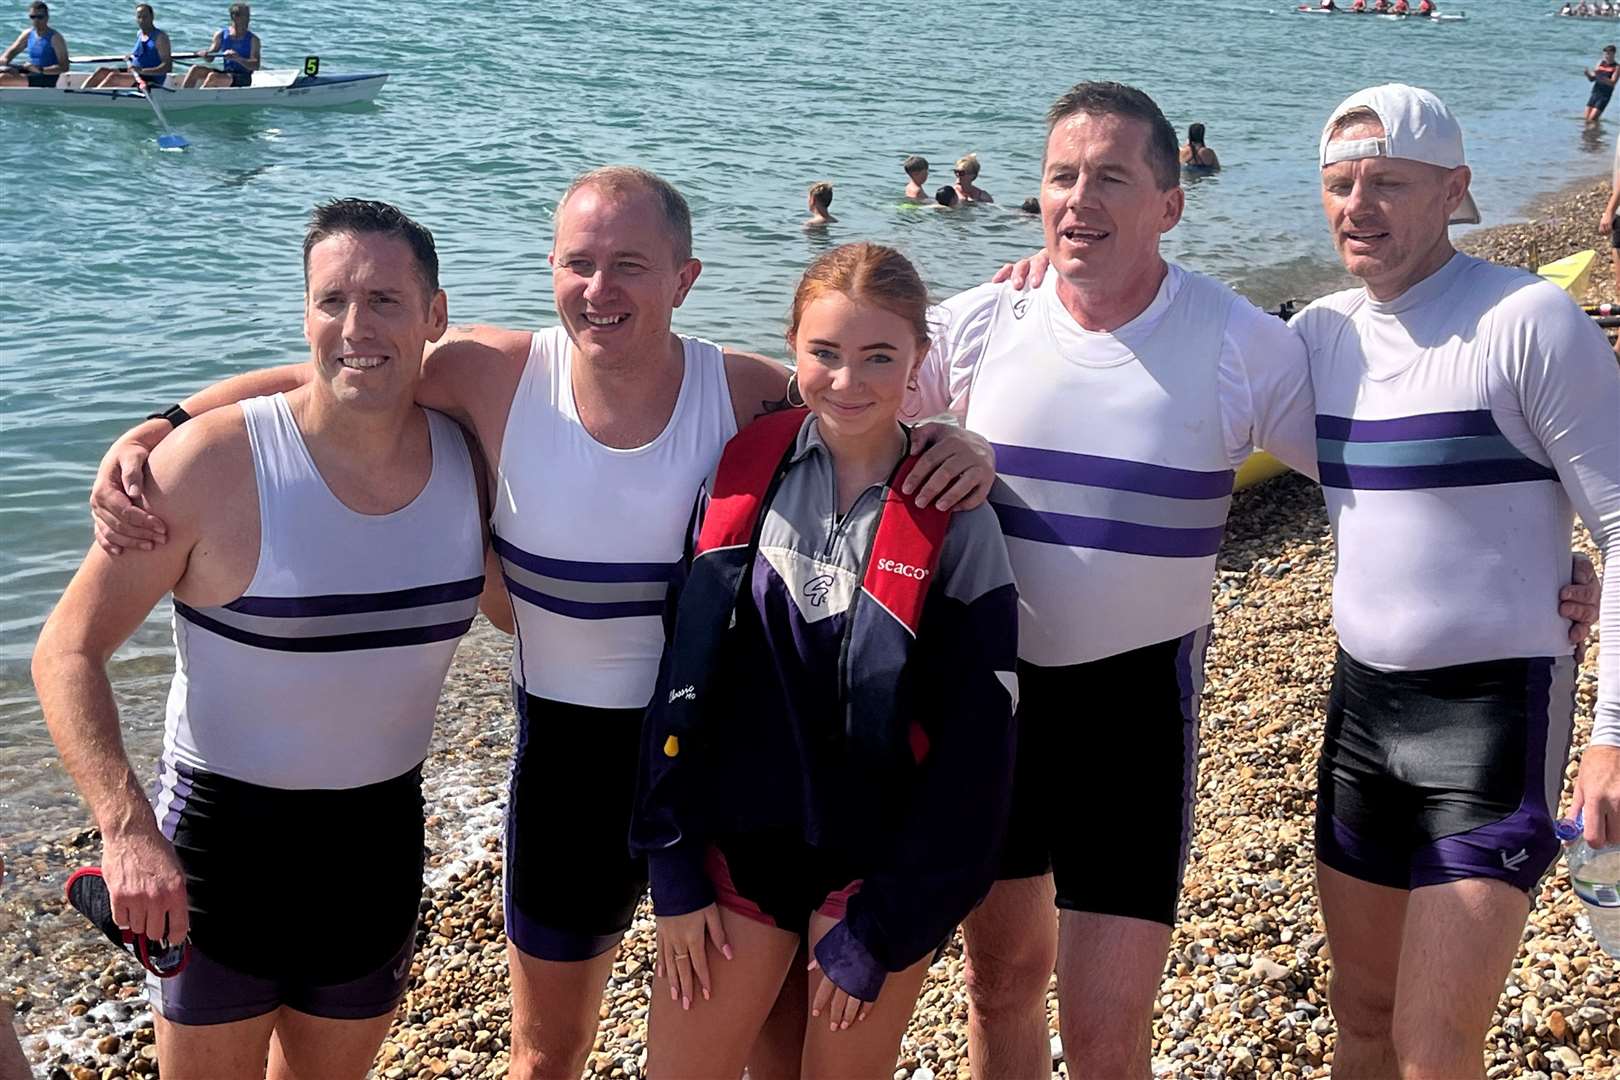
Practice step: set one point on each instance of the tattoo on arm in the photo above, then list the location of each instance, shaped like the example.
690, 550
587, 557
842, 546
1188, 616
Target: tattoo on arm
768, 407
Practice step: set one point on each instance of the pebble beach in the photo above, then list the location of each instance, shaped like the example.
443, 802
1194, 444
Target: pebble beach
1245, 990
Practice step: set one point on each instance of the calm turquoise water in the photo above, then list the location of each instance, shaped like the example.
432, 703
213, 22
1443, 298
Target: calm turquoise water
132, 276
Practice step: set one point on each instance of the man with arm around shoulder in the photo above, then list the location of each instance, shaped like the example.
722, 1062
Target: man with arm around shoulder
599, 431
325, 553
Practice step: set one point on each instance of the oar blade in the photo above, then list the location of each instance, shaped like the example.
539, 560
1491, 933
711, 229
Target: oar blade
171, 141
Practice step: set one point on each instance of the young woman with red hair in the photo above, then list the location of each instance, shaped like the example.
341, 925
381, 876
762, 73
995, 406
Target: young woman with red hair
828, 755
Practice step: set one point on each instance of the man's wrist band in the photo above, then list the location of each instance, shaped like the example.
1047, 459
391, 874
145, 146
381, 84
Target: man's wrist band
174, 414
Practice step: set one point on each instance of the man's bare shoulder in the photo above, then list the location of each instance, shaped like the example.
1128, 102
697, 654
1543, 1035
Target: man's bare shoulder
205, 465
758, 384
480, 343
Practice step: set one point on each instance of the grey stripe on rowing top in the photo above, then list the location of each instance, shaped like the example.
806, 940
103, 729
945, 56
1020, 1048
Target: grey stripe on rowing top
586, 592
1132, 507
1560, 729
361, 622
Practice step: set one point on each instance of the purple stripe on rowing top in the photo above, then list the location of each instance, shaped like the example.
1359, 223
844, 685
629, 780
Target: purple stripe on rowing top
1114, 473
583, 609
1445, 425
1105, 535
375, 639
178, 781
293, 607
1412, 477
570, 570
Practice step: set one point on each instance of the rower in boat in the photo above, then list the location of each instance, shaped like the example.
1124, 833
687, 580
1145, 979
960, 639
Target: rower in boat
150, 57
1401, 8
47, 52
1381, 7
1426, 8
1358, 7
237, 46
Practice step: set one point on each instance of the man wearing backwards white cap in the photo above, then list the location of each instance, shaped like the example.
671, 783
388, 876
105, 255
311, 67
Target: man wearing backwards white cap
1462, 408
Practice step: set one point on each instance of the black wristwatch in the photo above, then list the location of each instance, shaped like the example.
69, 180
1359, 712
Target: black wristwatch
174, 414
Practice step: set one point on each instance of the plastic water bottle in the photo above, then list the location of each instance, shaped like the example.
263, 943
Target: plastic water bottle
1594, 873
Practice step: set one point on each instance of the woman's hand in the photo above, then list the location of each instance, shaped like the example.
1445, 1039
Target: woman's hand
841, 1009
683, 951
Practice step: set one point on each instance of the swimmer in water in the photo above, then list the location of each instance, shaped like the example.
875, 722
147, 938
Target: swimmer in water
916, 176
967, 172
819, 200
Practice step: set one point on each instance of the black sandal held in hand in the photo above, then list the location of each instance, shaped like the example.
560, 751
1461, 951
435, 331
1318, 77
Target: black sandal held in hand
87, 892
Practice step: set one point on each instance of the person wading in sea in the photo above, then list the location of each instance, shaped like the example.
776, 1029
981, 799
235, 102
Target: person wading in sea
1603, 79
325, 553
1195, 156
600, 430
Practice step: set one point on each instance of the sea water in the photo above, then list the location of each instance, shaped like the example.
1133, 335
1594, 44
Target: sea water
130, 276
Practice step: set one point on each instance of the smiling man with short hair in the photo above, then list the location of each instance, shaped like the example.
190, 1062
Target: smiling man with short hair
1463, 410
325, 554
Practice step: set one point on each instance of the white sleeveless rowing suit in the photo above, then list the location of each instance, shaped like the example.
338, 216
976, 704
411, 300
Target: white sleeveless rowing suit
326, 672
298, 719
589, 538
589, 535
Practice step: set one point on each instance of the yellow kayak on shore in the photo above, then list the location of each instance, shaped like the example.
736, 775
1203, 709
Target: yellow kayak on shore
1259, 468
1571, 272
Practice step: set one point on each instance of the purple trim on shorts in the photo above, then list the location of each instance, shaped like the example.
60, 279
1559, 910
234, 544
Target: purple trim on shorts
1519, 848
175, 781
547, 943
209, 992
1117, 473
1444, 425
1190, 679
1343, 850
370, 996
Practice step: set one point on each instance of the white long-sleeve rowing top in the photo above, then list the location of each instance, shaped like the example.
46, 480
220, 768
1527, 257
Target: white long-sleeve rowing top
1457, 427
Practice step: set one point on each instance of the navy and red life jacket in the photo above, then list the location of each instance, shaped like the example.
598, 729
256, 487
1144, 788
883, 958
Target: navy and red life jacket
880, 626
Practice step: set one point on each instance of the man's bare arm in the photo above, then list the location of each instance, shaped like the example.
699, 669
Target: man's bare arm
117, 502
102, 606
758, 385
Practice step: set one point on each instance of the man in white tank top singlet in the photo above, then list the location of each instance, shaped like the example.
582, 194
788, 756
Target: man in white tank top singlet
600, 432
1465, 412
325, 554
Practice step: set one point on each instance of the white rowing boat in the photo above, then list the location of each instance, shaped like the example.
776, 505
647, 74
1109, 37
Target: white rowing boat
289, 88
